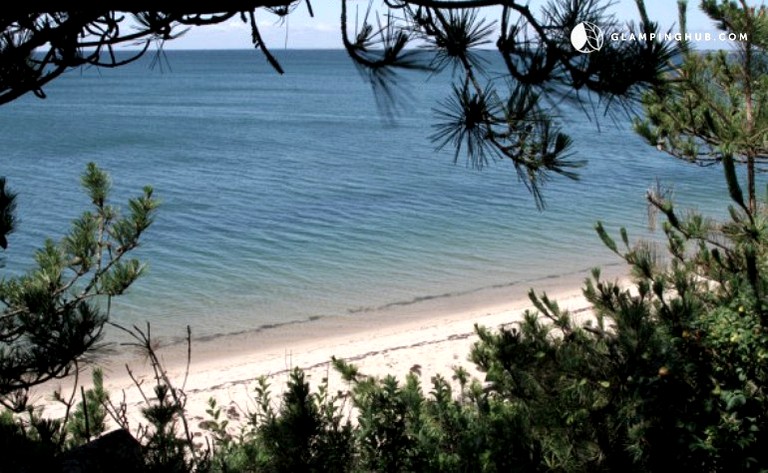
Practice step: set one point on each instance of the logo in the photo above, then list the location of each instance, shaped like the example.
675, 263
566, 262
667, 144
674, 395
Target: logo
587, 37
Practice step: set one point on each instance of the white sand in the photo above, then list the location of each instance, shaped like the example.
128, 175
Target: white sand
435, 335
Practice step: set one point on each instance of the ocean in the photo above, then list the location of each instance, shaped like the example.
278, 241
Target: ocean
288, 198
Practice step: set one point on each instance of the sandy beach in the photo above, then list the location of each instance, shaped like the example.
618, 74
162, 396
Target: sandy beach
430, 336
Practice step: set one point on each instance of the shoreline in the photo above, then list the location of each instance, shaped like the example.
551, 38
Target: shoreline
497, 294
430, 337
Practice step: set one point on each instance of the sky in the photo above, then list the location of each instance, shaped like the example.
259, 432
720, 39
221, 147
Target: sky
300, 31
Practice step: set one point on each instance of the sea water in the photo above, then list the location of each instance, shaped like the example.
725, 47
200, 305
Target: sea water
291, 197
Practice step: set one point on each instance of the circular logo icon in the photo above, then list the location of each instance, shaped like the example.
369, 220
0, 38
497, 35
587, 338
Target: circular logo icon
587, 37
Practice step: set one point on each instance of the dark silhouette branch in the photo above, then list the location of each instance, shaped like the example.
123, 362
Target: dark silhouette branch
509, 119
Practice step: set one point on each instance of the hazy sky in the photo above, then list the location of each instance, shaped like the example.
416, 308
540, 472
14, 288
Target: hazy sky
300, 31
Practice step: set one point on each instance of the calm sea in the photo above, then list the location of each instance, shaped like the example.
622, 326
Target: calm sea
286, 198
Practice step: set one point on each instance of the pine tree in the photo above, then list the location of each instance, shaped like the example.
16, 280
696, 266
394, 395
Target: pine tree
55, 314
712, 106
670, 373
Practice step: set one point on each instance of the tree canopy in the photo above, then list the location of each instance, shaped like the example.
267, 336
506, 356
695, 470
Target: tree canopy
712, 108
53, 315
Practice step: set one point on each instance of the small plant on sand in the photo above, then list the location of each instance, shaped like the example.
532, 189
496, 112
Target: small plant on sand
89, 418
306, 432
166, 438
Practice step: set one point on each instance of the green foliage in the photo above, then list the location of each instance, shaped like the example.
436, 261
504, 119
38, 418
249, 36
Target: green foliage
711, 107
53, 315
390, 427
708, 303
216, 425
400, 428
667, 374
300, 437
90, 416
307, 433
28, 444
387, 413
167, 440
164, 450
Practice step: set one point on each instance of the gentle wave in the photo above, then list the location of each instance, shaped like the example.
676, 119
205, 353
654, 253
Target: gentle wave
288, 197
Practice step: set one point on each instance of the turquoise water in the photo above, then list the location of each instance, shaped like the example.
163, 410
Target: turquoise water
288, 197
